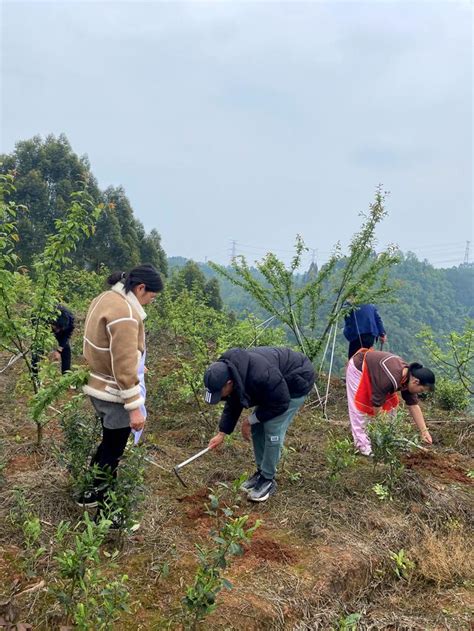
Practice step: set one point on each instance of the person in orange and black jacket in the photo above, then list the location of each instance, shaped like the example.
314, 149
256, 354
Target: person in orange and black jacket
373, 379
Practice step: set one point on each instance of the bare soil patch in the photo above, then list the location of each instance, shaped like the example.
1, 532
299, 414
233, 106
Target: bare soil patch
445, 466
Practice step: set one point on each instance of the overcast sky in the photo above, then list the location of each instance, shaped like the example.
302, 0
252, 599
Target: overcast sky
255, 121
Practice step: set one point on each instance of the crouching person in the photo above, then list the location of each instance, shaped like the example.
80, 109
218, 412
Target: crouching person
373, 379
114, 347
275, 382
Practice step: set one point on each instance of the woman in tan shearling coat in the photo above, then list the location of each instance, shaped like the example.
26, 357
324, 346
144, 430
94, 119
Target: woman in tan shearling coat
114, 347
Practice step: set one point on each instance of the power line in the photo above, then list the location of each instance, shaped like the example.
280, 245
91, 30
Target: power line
423, 246
270, 249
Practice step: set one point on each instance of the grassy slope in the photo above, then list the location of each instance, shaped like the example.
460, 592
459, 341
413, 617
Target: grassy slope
321, 554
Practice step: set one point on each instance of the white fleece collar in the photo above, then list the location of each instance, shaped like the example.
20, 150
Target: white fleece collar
130, 298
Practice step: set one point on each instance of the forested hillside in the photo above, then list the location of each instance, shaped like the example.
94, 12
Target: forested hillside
346, 542
423, 296
46, 172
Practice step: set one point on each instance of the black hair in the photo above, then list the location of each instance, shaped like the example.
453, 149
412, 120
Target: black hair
143, 274
424, 375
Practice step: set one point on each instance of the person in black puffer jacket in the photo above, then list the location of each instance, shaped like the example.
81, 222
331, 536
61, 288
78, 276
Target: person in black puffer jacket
275, 382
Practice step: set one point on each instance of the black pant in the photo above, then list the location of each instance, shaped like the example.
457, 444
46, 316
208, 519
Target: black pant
65, 359
110, 451
365, 340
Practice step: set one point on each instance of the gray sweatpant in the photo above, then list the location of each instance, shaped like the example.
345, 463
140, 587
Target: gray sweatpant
268, 439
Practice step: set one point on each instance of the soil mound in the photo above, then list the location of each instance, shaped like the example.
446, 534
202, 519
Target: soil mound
445, 467
270, 550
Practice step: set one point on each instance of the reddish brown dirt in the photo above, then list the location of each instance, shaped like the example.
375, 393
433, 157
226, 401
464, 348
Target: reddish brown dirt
197, 503
9, 567
270, 550
444, 467
199, 497
196, 513
25, 462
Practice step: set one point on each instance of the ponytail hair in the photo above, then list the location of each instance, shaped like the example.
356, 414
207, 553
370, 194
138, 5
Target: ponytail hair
424, 375
115, 278
142, 275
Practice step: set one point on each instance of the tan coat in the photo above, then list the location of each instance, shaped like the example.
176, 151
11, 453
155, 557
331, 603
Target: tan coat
114, 341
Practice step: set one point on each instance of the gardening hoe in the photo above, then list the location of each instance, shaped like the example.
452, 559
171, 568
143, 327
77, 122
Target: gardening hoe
188, 461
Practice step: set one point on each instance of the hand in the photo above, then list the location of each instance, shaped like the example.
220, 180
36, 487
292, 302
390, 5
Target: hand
137, 420
56, 356
426, 437
245, 430
216, 440
383, 338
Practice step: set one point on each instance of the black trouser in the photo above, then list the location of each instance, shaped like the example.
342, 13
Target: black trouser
365, 340
109, 452
65, 358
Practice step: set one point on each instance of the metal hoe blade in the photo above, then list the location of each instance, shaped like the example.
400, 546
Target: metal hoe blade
176, 472
177, 468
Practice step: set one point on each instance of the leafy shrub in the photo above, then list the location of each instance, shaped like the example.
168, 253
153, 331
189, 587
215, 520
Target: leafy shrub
340, 455
349, 623
88, 597
127, 491
390, 436
382, 492
229, 534
451, 395
30, 527
81, 433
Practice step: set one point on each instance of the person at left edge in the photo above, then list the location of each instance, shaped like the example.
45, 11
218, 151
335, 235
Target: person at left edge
62, 327
275, 382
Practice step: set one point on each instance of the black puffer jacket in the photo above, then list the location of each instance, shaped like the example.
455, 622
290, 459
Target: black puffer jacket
266, 377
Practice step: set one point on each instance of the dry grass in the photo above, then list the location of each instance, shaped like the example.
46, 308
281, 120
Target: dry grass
445, 559
321, 554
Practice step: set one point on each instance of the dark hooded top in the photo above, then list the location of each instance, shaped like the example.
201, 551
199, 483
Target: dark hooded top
266, 377
363, 320
65, 325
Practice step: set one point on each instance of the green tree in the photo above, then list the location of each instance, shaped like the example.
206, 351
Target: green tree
190, 278
454, 356
311, 309
212, 294
117, 230
27, 308
47, 172
151, 250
